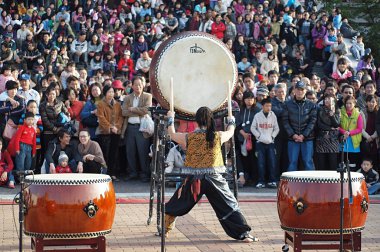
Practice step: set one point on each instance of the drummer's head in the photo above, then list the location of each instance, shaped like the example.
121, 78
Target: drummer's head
205, 120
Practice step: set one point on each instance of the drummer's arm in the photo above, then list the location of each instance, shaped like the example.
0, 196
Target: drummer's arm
226, 135
179, 138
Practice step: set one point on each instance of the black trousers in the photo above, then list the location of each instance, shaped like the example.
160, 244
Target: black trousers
110, 145
327, 161
221, 199
282, 158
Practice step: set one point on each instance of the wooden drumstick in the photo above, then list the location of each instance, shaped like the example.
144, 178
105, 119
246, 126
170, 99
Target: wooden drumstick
229, 99
171, 95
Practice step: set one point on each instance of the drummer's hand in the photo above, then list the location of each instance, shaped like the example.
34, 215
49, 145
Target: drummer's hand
171, 114
52, 168
80, 167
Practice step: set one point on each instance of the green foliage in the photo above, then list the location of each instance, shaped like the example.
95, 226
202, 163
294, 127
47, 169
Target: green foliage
364, 16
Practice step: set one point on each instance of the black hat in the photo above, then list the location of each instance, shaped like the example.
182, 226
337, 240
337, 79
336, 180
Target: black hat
11, 85
300, 84
105, 89
29, 114
248, 94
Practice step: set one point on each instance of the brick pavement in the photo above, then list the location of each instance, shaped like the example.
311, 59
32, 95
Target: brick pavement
198, 231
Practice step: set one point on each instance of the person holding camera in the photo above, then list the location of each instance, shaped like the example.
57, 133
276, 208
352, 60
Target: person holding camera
327, 139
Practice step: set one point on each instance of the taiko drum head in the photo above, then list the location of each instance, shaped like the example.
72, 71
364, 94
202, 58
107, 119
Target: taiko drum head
201, 67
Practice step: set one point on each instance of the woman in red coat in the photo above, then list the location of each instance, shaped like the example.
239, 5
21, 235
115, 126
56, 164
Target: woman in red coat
218, 27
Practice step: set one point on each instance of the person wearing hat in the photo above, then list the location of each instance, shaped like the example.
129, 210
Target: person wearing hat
25, 91
135, 106
247, 163
261, 94
299, 119
110, 120
117, 85
63, 163
125, 66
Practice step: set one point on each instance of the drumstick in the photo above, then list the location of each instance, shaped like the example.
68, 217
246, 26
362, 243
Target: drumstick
171, 95
229, 99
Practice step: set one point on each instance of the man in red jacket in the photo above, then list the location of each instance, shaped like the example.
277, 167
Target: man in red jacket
25, 143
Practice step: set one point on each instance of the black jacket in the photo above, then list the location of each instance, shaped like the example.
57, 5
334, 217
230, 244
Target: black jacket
278, 108
54, 149
371, 177
327, 123
300, 118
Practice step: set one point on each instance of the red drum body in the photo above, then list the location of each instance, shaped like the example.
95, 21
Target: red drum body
201, 67
309, 202
69, 205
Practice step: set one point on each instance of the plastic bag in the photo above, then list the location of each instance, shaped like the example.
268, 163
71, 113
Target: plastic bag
244, 151
147, 125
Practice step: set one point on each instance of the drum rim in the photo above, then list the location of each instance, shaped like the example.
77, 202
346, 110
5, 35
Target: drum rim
37, 180
292, 177
156, 91
322, 231
68, 235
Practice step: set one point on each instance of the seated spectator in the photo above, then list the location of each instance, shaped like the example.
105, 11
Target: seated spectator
347, 30
371, 176
62, 143
342, 73
243, 64
143, 65
357, 49
91, 153
269, 63
5, 76
6, 168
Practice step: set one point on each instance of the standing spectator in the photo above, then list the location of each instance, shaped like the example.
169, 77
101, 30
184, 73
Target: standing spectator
243, 130
135, 107
305, 27
337, 49
110, 126
299, 118
52, 111
25, 143
327, 141
370, 138
351, 127
281, 141
218, 27
318, 34
265, 129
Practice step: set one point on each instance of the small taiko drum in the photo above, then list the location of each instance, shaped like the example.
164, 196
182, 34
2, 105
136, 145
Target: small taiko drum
201, 67
69, 205
309, 202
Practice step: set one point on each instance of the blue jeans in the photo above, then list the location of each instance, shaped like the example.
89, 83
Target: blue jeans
306, 149
266, 152
373, 189
24, 158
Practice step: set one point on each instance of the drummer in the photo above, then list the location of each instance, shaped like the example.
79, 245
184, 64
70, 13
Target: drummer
204, 165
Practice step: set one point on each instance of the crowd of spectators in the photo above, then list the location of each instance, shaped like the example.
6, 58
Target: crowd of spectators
77, 72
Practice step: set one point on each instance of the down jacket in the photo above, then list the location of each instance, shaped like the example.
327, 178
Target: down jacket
300, 118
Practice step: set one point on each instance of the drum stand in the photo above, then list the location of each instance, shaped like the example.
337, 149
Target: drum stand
21, 208
158, 165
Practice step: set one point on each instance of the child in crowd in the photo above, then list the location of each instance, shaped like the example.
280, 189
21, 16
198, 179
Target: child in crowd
63, 164
357, 48
285, 70
371, 176
6, 167
25, 143
265, 129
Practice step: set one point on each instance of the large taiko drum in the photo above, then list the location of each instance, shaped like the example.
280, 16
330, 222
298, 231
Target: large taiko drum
69, 205
201, 67
309, 202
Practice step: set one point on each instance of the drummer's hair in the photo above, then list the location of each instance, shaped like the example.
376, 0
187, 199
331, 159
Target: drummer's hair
204, 117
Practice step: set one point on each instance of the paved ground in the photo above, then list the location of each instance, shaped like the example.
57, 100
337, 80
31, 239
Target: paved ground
198, 231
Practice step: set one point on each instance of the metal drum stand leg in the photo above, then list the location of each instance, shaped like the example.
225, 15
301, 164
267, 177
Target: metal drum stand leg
153, 166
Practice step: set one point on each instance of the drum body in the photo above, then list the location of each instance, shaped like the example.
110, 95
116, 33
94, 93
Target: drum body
69, 205
309, 202
201, 67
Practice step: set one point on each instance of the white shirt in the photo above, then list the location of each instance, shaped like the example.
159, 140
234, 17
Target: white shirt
134, 119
